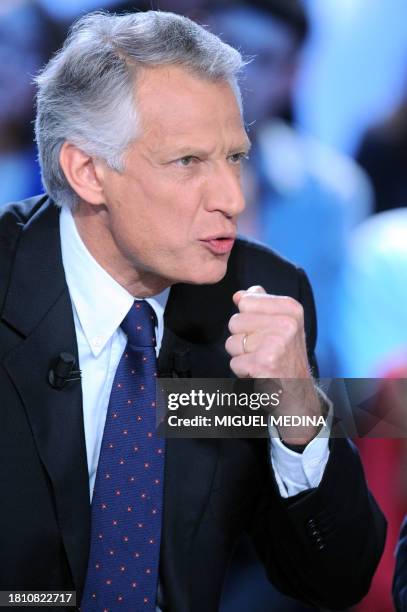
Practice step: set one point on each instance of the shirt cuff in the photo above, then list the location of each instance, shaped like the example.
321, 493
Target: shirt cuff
298, 472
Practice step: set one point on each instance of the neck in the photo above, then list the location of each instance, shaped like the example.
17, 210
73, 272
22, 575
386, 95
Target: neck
93, 227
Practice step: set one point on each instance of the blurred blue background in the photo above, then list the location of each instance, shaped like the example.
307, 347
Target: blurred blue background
325, 98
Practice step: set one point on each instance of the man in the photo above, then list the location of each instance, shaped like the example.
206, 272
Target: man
141, 137
400, 575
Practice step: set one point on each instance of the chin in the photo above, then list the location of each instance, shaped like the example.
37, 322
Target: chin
208, 274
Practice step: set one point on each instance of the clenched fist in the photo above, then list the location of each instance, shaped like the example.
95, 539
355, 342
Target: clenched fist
268, 342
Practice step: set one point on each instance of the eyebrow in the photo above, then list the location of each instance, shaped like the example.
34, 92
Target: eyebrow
191, 150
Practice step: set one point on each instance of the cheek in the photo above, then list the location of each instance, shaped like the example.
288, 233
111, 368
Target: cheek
160, 212
155, 227
174, 216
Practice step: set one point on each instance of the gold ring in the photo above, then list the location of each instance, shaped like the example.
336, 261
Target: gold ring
244, 342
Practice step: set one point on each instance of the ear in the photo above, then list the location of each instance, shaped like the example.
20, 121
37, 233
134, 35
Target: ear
82, 173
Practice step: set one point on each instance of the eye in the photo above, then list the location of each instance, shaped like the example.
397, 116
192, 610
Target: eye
186, 161
236, 158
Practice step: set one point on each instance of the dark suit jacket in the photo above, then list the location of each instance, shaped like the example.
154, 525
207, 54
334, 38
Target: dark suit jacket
322, 546
400, 575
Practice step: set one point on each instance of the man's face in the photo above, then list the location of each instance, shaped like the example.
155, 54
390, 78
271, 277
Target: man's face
172, 213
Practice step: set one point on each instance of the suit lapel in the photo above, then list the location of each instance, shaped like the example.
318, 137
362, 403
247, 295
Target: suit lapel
38, 307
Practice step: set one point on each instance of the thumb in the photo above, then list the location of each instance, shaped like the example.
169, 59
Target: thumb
253, 289
256, 289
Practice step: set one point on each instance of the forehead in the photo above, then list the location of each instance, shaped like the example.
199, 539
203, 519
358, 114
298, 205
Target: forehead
174, 104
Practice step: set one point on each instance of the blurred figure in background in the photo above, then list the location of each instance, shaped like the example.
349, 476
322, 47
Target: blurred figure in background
371, 341
383, 154
26, 40
354, 68
294, 186
371, 338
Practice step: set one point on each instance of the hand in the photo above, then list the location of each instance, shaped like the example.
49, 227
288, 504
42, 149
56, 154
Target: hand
268, 342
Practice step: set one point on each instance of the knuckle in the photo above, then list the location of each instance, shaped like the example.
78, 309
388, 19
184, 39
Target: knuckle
233, 323
266, 358
290, 326
271, 360
260, 360
234, 365
228, 344
297, 308
277, 347
245, 302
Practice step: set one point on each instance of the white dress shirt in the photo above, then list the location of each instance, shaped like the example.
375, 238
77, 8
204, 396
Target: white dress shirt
99, 306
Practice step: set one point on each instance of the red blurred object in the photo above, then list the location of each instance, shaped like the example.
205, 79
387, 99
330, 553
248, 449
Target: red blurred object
384, 461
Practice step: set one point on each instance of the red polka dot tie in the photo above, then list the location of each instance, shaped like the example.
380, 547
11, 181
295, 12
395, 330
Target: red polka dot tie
127, 499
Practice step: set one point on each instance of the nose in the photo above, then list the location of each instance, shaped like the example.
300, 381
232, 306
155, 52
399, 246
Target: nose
224, 191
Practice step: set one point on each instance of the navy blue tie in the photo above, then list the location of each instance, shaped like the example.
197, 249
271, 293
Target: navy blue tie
127, 499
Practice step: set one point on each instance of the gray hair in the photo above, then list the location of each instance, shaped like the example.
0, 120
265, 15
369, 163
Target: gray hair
86, 91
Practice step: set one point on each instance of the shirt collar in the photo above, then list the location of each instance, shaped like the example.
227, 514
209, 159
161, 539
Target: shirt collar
100, 302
